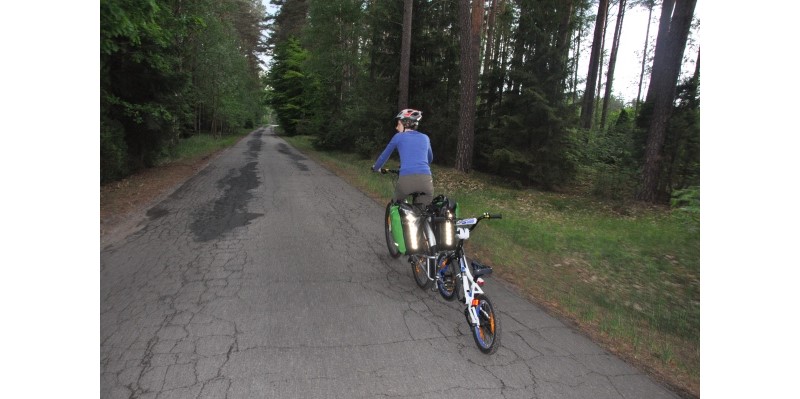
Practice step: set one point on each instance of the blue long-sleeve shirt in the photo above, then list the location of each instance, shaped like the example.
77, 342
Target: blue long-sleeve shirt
415, 153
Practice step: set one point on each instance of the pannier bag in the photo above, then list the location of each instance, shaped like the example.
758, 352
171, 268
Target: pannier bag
445, 231
411, 221
397, 228
406, 228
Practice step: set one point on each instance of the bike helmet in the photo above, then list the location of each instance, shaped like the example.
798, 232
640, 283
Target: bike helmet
409, 117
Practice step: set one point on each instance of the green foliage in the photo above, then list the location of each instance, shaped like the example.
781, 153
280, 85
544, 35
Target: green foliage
338, 81
289, 83
687, 202
171, 70
129, 20
201, 145
113, 151
608, 158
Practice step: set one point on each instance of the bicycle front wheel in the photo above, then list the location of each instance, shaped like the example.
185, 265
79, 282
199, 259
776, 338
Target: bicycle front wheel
447, 283
394, 252
487, 333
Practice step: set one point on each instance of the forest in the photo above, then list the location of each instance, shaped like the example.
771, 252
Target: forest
498, 84
497, 80
170, 69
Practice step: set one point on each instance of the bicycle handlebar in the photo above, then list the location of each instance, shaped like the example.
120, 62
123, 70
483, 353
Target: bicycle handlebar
384, 171
486, 215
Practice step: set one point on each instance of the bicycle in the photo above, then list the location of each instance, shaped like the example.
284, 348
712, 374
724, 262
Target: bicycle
453, 272
419, 236
450, 269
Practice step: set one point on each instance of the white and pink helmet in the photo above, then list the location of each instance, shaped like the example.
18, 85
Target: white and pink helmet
409, 117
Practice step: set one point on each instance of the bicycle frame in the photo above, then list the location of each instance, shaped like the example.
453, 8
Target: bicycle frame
469, 285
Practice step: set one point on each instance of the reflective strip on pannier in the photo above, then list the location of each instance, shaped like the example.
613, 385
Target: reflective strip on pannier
412, 226
445, 230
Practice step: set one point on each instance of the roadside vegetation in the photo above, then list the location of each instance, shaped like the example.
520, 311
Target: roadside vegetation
199, 146
627, 274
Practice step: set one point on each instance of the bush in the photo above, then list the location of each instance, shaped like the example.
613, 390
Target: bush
367, 147
113, 151
613, 182
687, 202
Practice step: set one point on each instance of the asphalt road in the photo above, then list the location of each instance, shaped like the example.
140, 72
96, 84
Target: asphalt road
266, 276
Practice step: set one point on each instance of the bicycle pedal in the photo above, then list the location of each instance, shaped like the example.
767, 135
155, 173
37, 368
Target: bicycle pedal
480, 269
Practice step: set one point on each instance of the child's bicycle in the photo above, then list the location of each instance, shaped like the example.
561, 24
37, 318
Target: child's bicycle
453, 271
445, 264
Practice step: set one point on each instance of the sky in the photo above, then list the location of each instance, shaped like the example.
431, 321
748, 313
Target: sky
629, 59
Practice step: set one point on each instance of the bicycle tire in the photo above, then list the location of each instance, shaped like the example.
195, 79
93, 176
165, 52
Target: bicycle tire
418, 266
394, 252
447, 283
487, 334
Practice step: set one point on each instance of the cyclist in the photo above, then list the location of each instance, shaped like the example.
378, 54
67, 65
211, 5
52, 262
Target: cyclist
415, 157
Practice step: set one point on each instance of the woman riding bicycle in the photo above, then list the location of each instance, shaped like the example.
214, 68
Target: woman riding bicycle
415, 158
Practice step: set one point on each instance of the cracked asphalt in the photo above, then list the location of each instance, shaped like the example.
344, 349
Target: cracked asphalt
266, 276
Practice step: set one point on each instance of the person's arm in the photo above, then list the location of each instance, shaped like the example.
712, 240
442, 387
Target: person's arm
430, 154
385, 154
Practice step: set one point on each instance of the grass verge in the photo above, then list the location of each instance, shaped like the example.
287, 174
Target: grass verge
201, 145
629, 277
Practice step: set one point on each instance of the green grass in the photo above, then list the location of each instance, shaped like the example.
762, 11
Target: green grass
630, 277
201, 145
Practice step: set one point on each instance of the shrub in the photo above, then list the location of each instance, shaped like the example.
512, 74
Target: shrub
113, 151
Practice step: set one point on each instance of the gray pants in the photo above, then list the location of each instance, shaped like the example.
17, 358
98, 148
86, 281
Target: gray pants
411, 183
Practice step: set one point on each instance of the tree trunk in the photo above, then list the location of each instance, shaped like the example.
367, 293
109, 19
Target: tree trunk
405, 55
562, 46
576, 58
600, 73
469, 43
664, 79
487, 57
644, 57
612, 62
594, 59
667, 7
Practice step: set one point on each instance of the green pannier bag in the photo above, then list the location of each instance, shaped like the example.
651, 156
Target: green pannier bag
397, 228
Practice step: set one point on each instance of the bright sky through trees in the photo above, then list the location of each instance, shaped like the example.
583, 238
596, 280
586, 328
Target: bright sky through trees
629, 59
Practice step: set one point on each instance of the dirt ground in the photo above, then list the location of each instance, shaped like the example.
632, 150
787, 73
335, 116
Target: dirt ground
123, 203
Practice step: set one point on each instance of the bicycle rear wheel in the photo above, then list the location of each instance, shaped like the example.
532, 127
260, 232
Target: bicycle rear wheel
394, 252
487, 334
419, 270
419, 265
